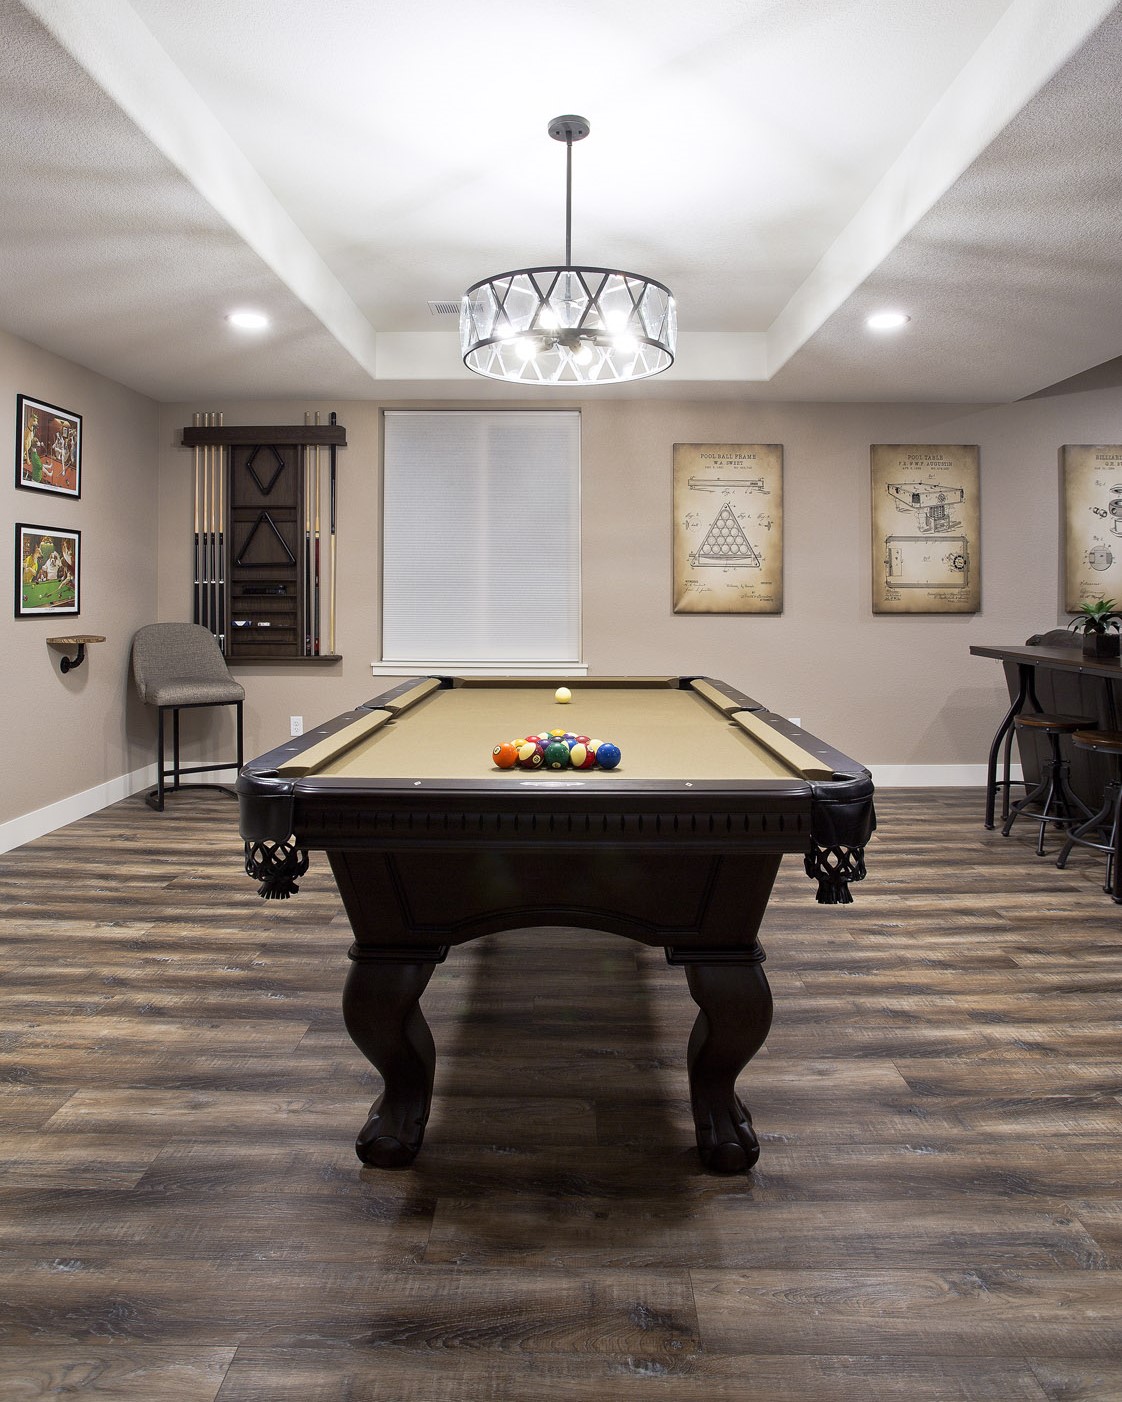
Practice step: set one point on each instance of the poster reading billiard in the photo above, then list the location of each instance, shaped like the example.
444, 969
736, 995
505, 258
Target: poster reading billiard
926, 528
1092, 523
728, 528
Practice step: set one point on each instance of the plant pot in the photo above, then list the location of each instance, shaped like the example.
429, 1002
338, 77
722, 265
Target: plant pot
1101, 644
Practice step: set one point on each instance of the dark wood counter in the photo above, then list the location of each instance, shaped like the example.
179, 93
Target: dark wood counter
1050, 678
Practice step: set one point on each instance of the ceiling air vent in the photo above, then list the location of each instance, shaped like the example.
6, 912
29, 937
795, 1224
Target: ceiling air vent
444, 308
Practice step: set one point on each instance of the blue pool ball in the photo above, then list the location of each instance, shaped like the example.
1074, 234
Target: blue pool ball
607, 755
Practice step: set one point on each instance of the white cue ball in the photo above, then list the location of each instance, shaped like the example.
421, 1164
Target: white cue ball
562, 694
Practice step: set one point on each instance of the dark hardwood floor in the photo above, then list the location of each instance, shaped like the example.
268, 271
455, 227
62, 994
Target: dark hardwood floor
936, 1215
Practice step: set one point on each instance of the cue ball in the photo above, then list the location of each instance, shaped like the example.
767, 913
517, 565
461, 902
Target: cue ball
562, 694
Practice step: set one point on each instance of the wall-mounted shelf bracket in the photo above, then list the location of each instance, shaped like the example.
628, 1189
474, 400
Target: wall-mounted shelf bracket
75, 640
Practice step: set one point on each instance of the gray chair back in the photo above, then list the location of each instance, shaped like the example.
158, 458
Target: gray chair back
1055, 637
181, 664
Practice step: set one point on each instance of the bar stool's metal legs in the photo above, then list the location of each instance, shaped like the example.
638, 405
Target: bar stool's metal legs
1057, 803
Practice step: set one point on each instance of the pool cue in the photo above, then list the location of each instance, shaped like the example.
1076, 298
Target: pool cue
198, 542
315, 581
210, 570
221, 544
204, 611
331, 504
306, 592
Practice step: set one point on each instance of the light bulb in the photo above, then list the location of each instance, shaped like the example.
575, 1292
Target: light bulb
248, 321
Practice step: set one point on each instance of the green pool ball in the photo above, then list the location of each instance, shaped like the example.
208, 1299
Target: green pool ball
557, 755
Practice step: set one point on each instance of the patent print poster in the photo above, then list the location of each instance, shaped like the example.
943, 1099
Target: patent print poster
728, 528
926, 528
1092, 524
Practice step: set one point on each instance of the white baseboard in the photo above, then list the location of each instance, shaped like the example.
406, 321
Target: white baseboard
934, 776
17, 831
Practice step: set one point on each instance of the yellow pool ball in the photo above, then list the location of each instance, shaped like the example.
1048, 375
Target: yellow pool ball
562, 694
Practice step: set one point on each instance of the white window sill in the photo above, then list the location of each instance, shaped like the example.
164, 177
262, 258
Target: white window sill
479, 669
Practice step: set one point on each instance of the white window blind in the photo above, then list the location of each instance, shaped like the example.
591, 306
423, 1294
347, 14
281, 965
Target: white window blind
481, 540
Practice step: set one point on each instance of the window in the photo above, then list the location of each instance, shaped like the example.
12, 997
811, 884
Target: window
481, 542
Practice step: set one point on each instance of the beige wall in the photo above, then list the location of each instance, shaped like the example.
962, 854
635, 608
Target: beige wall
892, 691
65, 734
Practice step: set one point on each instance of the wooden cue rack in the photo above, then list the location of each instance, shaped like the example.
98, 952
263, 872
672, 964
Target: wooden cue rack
264, 537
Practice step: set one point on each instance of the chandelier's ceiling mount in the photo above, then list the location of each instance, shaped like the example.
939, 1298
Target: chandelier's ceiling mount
568, 324
569, 128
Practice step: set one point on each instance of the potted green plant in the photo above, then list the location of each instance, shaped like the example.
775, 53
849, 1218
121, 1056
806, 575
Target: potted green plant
1099, 623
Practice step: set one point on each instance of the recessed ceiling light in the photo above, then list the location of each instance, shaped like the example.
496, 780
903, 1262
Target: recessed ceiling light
248, 321
887, 321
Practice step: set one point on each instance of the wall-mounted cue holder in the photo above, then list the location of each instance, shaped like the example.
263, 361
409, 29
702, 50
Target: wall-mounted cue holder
68, 644
264, 537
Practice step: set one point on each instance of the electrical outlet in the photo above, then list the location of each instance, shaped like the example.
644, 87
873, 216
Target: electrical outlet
296, 725
796, 720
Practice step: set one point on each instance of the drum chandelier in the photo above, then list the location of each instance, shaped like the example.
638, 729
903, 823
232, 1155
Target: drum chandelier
568, 324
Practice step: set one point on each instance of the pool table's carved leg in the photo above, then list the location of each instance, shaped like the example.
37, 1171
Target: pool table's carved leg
382, 1014
735, 1003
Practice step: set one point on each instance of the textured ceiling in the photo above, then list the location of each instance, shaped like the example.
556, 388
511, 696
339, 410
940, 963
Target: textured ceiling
786, 166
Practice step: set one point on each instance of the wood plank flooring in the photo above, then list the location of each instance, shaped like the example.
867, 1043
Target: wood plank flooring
937, 1213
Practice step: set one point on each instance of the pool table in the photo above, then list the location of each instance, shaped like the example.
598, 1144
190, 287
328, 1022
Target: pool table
432, 845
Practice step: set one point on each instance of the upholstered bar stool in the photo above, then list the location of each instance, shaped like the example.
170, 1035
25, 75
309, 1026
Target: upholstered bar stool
1052, 800
177, 666
1106, 820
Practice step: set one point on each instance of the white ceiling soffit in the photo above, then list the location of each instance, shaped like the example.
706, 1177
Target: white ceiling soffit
989, 211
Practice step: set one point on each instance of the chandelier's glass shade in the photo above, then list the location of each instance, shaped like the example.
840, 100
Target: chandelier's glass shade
568, 325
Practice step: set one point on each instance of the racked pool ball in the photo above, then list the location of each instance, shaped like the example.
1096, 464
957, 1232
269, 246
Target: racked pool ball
557, 755
562, 694
607, 755
505, 755
580, 756
531, 754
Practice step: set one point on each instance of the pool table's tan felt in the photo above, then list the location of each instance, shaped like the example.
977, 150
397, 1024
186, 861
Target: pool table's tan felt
662, 733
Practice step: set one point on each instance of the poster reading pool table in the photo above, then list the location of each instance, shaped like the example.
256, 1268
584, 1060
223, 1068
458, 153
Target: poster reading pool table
926, 522
728, 528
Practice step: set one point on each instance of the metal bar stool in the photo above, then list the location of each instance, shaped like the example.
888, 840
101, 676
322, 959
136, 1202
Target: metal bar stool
179, 666
1106, 820
1057, 803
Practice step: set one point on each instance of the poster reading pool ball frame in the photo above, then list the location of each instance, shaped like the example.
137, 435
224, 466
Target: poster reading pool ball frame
48, 568
728, 528
48, 448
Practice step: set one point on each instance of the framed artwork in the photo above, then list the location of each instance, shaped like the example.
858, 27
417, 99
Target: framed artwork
728, 528
1092, 494
926, 528
48, 565
48, 448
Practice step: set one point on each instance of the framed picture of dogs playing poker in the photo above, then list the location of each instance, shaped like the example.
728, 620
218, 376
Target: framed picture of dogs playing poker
48, 447
48, 565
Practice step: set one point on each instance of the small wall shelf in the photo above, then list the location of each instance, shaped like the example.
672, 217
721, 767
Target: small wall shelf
75, 640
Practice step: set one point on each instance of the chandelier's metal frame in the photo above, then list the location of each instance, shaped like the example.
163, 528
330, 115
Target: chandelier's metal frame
568, 324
